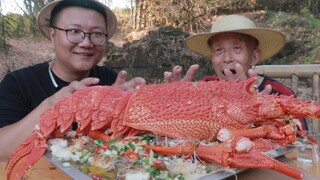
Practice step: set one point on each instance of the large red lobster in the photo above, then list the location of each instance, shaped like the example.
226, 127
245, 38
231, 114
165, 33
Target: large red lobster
207, 111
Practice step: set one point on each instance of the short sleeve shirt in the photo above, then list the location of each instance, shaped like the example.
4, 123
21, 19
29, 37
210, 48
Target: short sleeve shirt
23, 90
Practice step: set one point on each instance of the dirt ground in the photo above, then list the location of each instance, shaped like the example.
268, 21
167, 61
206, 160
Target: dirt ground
24, 52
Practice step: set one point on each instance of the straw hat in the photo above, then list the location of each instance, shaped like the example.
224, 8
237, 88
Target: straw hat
45, 15
270, 41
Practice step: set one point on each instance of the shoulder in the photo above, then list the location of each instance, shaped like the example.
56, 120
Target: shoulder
106, 75
22, 90
33, 70
277, 87
30, 73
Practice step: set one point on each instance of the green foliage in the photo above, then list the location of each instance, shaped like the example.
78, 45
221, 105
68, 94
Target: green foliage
18, 26
303, 26
309, 59
313, 21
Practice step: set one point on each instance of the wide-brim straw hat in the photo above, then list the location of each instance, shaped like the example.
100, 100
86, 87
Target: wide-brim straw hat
45, 15
270, 41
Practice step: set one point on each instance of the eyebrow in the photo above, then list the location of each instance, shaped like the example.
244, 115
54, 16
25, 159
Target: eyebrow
79, 26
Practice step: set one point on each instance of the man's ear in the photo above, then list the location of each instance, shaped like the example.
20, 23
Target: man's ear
52, 34
255, 57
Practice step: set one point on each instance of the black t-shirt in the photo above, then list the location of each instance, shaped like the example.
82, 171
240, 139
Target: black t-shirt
23, 90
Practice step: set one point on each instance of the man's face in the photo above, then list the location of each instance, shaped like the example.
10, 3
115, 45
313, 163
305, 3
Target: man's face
77, 58
229, 49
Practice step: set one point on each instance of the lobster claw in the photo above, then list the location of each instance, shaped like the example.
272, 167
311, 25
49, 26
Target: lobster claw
239, 153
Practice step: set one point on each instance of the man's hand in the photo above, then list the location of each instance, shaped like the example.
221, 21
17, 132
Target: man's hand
124, 85
175, 75
267, 89
241, 75
238, 75
71, 88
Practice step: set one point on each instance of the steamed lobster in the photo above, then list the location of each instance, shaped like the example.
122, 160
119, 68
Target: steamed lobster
228, 111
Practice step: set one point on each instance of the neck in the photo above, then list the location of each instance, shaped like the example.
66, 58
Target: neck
65, 74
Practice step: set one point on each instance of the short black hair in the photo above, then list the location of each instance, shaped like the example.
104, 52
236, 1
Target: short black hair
88, 4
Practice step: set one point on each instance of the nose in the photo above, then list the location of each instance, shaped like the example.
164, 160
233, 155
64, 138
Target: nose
227, 56
86, 42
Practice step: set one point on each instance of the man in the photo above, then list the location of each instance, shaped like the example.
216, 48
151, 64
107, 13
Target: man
78, 30
234, 46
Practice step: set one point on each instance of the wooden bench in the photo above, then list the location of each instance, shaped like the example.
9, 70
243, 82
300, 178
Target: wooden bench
296, 73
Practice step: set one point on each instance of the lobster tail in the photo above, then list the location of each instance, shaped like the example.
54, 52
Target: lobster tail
26, 155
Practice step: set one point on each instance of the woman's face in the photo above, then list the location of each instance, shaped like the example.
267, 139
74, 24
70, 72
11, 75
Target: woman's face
74, 59
229, 49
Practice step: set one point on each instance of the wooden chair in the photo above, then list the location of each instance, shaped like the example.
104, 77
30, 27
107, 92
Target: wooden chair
296, 73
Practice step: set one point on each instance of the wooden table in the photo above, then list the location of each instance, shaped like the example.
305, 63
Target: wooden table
45, 171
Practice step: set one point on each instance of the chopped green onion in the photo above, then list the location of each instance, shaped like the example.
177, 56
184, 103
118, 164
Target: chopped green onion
146, 161
208, 170
99, 142
132, 145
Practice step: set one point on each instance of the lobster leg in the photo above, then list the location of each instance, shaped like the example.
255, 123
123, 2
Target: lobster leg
232, 154
263, 144
265, 131
187, 148
26, 155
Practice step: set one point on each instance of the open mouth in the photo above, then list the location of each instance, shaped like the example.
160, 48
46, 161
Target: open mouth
232, 70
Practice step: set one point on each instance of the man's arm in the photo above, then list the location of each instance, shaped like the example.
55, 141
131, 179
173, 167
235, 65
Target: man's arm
11, 136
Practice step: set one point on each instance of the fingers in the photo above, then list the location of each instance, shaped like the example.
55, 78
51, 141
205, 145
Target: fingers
134, 83
168, 76
191, 72
176, 72
121, 78
239, 74
89, 81
71, 88
252, 73
267, 90
86, 82
175, 75
122, 84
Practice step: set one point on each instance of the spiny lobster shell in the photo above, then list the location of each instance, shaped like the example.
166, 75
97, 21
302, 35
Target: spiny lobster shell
190, 110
